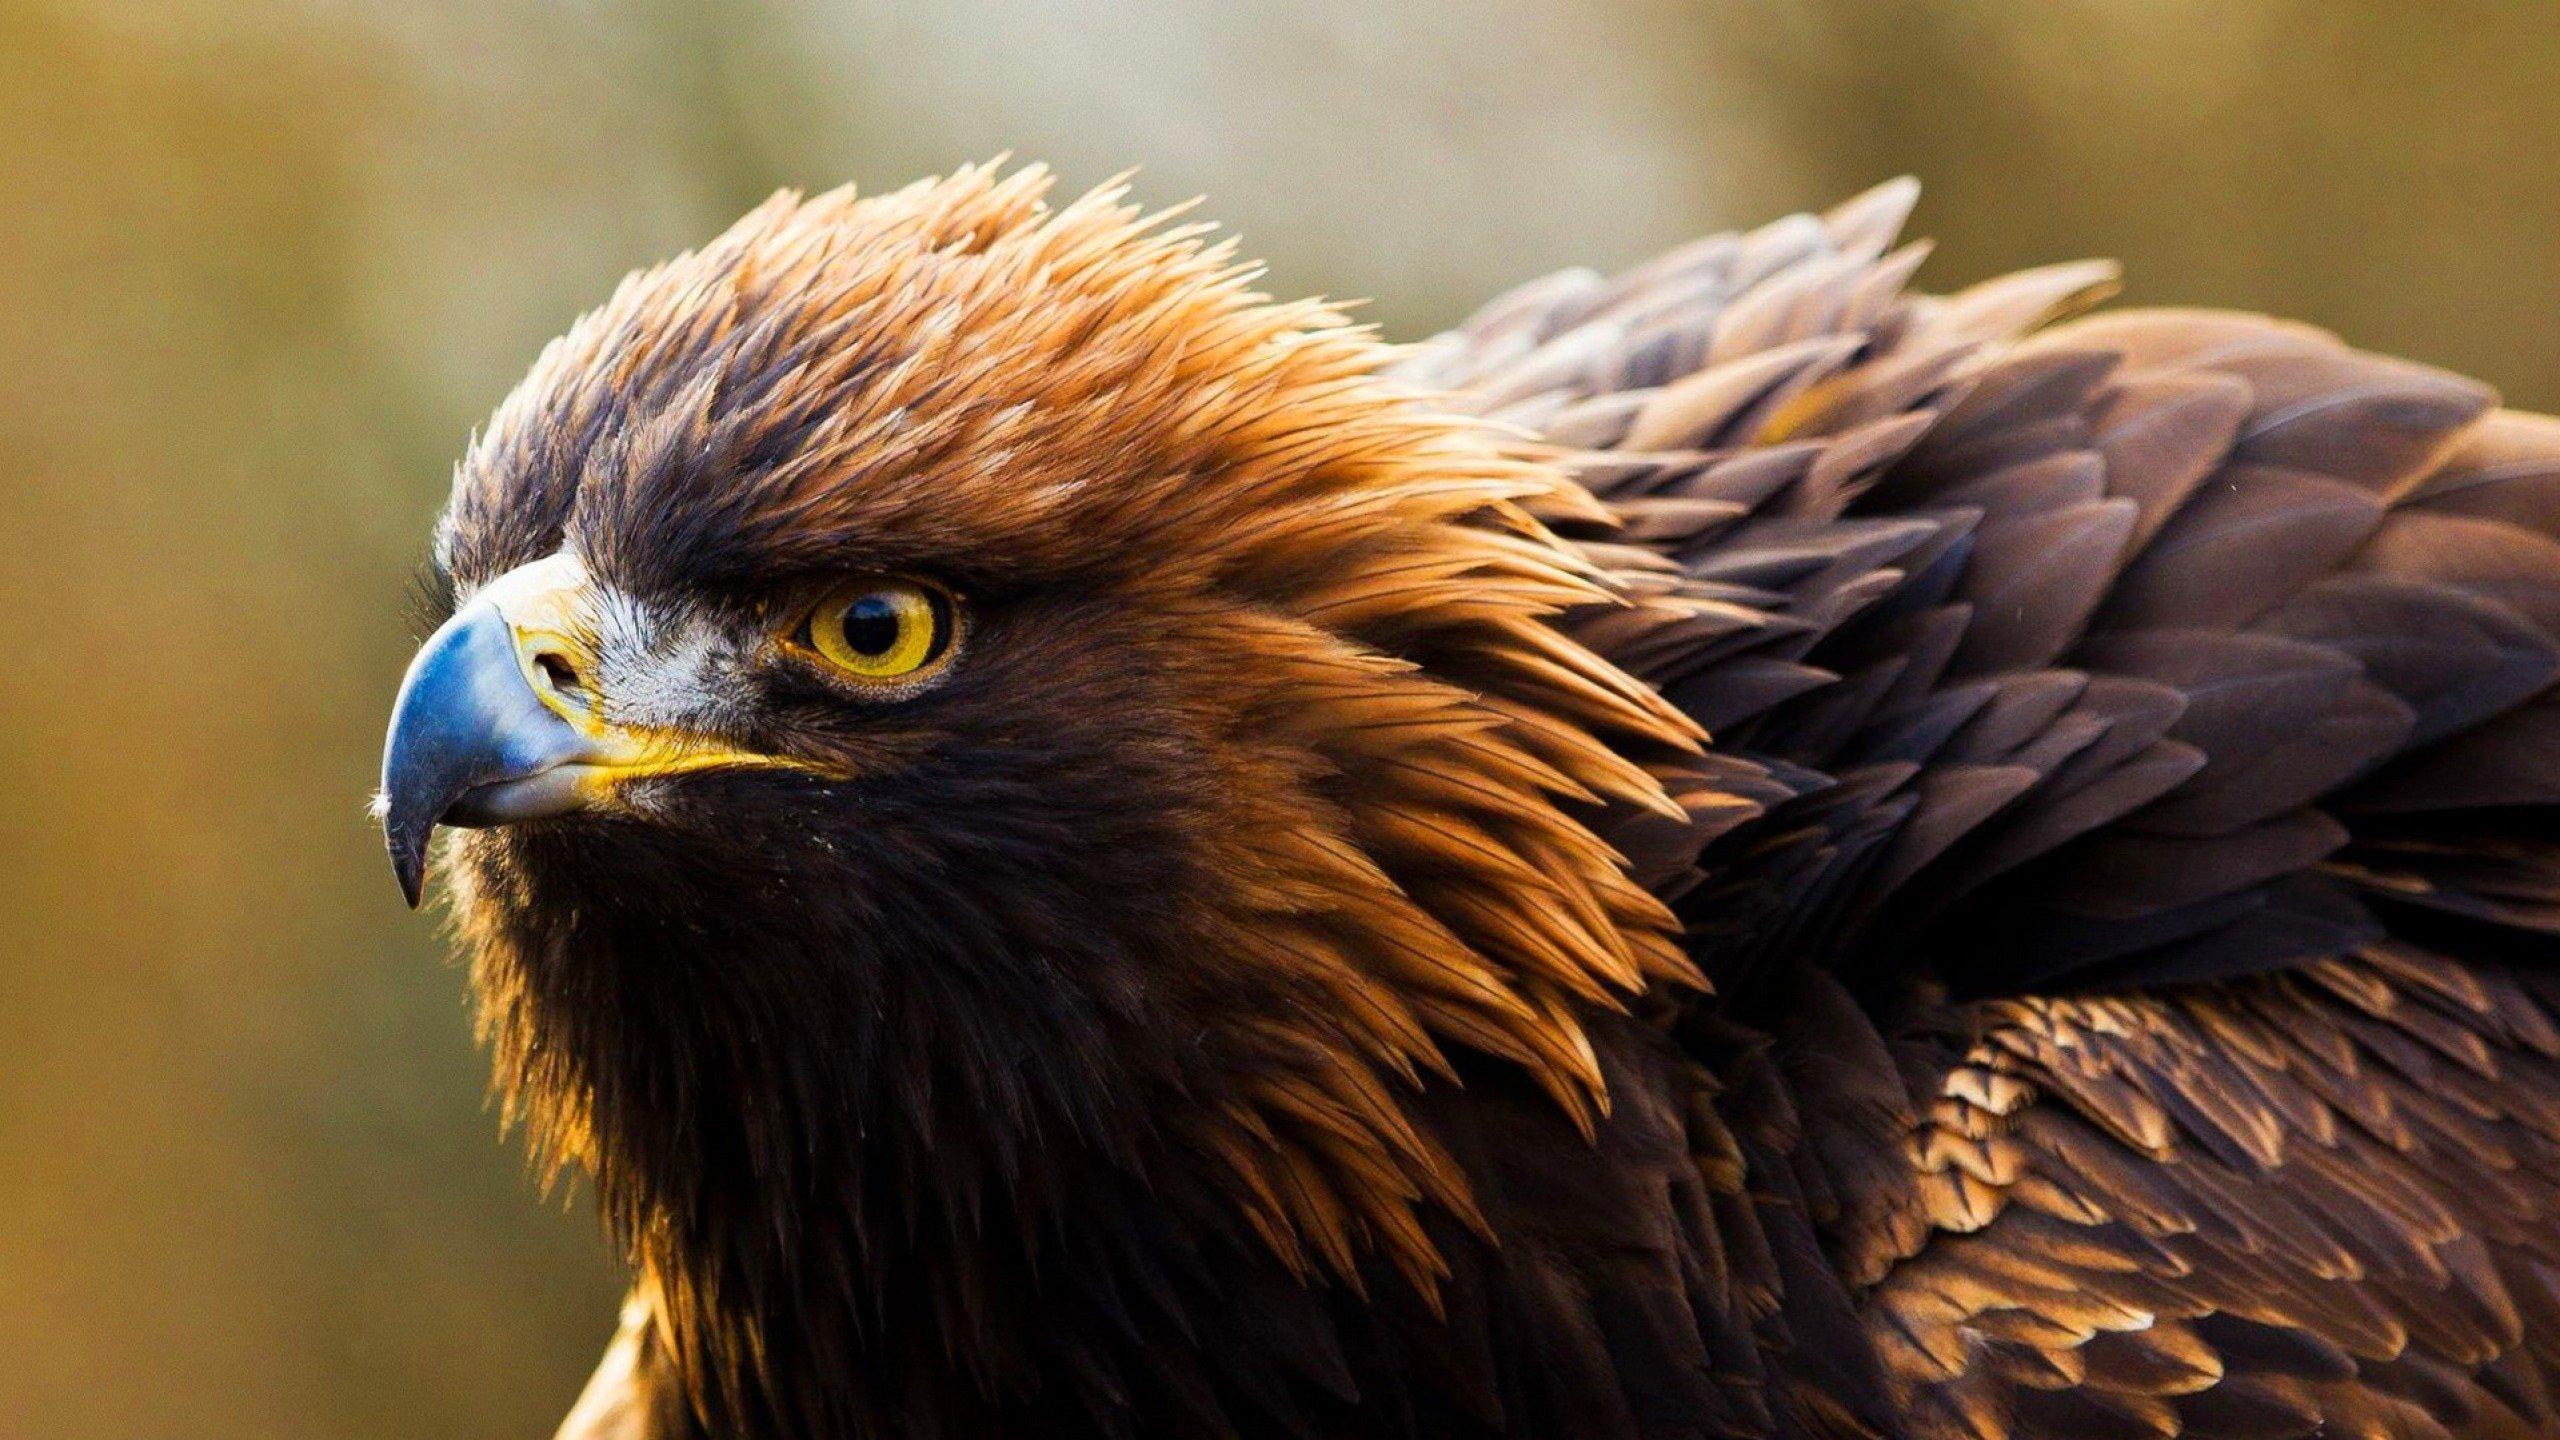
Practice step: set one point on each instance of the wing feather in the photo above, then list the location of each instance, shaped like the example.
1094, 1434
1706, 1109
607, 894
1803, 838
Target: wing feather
2180, 692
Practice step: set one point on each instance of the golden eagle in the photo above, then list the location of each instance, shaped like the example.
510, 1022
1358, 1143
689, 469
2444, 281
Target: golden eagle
1729, 850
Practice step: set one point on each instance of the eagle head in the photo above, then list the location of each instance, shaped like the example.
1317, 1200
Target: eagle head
952, 695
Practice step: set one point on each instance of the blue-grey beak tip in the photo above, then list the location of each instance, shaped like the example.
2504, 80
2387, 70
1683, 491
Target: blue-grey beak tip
408, 846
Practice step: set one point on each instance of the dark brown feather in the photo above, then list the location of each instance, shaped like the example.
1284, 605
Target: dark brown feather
2325, 586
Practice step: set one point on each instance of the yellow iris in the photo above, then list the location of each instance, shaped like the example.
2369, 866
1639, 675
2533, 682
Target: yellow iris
882, 630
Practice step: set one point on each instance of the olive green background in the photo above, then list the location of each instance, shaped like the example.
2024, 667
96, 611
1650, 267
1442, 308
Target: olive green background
262, 265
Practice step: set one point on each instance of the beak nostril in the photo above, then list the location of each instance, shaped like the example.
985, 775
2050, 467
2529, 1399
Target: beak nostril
561, 676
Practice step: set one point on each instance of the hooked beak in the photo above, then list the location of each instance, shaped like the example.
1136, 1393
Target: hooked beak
496, 721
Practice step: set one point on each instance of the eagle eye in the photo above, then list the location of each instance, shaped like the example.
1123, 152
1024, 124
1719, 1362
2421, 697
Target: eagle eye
882, 631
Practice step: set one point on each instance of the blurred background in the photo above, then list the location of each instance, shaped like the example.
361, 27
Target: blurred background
264, 263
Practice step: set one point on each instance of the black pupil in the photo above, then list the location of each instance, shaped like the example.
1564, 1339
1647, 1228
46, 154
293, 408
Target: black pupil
871, 626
